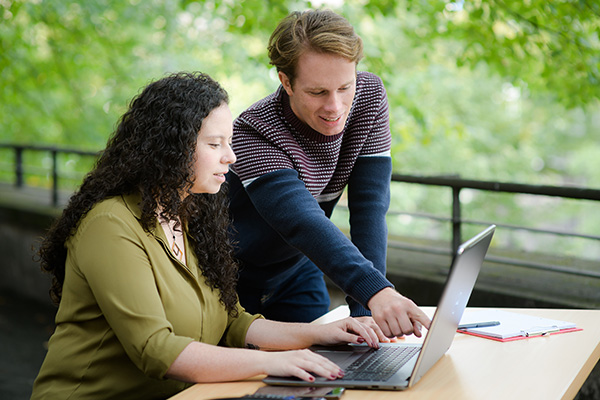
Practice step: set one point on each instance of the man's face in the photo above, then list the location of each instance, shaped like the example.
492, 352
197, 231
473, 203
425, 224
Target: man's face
323, 91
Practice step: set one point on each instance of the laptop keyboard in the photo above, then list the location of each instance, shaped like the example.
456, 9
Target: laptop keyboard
379, 365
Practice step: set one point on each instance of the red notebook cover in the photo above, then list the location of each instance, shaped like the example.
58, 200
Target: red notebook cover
511, 339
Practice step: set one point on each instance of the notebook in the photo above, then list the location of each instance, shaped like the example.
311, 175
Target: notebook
515, 326
465, 268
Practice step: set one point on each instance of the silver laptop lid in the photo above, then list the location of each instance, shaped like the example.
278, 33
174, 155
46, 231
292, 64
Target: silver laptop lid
459, 285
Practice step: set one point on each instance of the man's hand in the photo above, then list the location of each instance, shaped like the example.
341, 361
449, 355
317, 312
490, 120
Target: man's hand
397, 315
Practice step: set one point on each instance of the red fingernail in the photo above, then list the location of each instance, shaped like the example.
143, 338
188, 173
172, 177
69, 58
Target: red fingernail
311, 378
360, 340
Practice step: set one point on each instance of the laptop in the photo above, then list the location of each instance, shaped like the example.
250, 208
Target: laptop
414, 359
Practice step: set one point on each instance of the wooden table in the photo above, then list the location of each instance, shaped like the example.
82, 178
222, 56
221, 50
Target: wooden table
550, 367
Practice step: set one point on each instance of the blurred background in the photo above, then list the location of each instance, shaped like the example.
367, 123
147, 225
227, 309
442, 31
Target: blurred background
486, 90
494, 113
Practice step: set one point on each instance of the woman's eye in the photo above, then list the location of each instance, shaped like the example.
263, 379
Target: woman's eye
214, 145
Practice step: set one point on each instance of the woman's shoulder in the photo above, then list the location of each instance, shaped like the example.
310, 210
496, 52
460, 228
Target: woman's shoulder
120, 205
111, 205
117, 210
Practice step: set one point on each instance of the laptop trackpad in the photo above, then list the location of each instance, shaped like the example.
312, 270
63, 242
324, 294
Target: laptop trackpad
345, 357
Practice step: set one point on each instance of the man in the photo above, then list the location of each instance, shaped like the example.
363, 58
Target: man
325, 128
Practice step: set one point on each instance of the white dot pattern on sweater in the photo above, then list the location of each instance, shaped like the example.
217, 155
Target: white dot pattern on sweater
268, 137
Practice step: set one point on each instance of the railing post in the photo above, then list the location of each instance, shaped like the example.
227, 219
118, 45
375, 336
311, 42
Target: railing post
456, 219
19, 166
54, 179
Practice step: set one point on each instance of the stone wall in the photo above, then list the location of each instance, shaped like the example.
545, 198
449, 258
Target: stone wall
20, 234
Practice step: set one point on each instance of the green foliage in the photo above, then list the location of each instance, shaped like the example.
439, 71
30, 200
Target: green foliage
549, 45
73, 66
487, 89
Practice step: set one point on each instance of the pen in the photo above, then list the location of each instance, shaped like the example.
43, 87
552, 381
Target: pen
478, 325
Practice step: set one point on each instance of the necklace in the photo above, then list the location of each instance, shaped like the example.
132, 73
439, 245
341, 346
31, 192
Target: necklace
174, 247
177, 251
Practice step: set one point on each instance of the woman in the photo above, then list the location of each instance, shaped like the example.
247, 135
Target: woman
143, 268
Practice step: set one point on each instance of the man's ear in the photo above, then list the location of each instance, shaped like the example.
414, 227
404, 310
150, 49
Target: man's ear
287, 85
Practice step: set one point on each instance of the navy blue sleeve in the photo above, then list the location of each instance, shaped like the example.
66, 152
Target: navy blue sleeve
368, 201
284, 202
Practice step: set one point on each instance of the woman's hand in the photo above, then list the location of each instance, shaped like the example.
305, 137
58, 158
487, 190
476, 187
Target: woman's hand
347, 330
370, 322
301, 364
202, 362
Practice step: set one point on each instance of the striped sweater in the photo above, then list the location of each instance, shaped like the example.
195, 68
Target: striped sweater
287, 180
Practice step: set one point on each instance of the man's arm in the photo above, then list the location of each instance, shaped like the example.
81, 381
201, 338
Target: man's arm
284, 202
368, 201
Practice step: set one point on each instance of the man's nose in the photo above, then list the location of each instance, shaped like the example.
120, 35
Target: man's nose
333, 103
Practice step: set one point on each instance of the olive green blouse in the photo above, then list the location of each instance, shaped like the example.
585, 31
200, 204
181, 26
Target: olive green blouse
128, 308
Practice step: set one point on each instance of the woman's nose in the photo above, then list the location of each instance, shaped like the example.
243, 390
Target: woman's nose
230, 157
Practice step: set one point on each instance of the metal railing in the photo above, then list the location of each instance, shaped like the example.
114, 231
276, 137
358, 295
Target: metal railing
19, 170
457, 185
452, 182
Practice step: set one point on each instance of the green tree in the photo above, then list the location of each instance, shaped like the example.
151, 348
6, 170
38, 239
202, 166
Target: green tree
485, 89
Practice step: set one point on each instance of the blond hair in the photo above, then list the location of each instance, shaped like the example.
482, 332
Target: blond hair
322, 31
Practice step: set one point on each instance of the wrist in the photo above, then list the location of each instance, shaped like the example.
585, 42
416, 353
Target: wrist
261, 358
382, 296
312, 335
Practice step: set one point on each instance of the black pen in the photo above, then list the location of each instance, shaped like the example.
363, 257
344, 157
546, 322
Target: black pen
478, 325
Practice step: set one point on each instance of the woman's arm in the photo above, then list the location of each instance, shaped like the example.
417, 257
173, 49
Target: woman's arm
273, 335
201, 362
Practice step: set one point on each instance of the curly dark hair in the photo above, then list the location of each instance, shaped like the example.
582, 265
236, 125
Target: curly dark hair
152, 152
